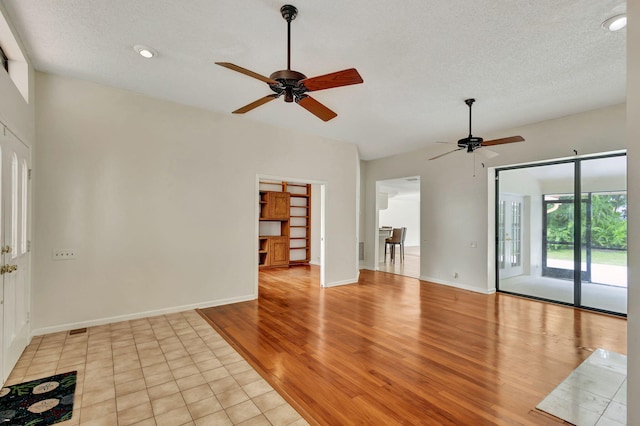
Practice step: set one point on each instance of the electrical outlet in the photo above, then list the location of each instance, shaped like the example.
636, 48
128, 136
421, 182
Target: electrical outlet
64, 254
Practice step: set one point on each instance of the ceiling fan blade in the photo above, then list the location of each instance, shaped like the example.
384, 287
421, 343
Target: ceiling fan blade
486, 152
335, 79
510, 139
256, 104
316, 108
446, 153
246, 72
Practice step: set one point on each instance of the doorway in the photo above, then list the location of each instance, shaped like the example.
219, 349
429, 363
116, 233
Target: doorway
572, 237
14, 243
290, 231
398, 207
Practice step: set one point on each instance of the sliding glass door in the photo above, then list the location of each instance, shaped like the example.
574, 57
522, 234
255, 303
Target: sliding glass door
604, 240
561, 232
542, 274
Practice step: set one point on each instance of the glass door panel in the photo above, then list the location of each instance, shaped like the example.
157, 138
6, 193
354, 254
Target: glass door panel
559, 220
604, 243
534, 259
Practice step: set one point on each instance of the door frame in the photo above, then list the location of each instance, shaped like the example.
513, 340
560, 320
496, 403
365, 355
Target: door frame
494, 194
22, 259
323, 188
375, 232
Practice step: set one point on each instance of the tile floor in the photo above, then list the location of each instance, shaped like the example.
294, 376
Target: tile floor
165, 370
410, 267
607, 297
595, 393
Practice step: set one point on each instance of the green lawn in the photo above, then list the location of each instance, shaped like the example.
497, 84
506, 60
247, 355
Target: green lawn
601, 257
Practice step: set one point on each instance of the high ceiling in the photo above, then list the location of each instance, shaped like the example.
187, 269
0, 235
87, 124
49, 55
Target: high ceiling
524, 61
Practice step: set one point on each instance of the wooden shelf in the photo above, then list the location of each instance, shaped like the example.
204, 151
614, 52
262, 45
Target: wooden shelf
272, 209
274, 250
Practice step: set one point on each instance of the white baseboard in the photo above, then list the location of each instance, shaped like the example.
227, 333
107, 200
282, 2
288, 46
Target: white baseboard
458, 285
368, 267
314, 262
343, 282
127, 317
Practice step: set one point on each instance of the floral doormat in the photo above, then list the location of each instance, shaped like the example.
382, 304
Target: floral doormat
38, 402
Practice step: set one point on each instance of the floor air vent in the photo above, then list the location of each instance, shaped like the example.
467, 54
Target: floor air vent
77, 331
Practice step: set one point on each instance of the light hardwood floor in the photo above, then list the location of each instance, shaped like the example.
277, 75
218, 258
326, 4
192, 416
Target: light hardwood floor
395, 350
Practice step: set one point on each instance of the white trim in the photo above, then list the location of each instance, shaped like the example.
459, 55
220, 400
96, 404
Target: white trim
343, 282
118, 318
369, 267
458, 285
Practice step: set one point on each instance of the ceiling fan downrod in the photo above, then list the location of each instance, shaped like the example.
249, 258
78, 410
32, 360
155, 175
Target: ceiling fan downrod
289, 13
470, 143
469, 102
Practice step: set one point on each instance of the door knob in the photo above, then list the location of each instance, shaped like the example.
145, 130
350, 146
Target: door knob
7, 269
5, 249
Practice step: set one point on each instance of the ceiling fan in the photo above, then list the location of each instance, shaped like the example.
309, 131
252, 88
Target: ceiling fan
472, 143
293, 84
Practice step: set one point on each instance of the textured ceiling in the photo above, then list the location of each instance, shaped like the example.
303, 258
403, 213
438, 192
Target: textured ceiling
524, 61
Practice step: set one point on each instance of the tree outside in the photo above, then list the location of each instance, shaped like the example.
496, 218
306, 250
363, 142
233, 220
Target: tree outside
608, 228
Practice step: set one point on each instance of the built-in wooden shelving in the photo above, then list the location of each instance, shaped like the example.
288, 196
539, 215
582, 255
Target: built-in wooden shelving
295, 223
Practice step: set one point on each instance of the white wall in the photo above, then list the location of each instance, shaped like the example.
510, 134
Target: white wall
159, 200
455, 207
633, 191
403, 211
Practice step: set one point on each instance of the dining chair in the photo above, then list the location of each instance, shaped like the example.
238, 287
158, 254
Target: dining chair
397, 238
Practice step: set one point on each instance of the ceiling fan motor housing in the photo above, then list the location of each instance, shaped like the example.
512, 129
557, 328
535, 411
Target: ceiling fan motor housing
471, 143
288, 82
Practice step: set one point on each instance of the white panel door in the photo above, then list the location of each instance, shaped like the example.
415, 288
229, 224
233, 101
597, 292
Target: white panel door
14, 188
510, 214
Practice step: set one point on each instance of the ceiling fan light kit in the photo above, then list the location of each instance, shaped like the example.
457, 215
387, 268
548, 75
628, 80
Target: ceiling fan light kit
294, 85
472, 143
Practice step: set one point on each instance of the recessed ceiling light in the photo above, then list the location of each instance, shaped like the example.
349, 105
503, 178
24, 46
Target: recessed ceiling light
615, 23
144, 51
